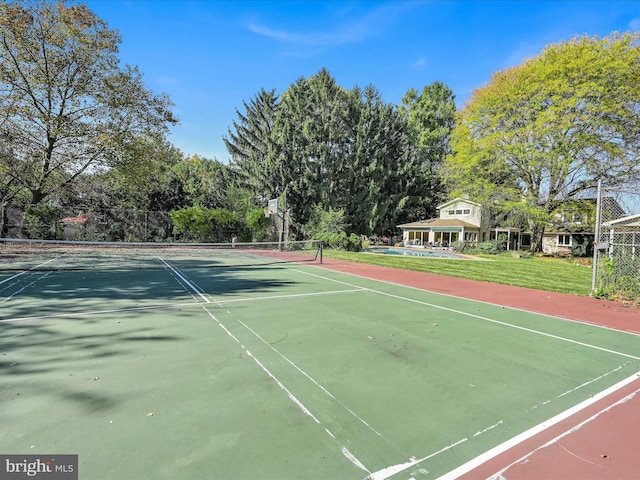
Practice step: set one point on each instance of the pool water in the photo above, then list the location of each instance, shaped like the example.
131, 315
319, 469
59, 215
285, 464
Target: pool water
413, 253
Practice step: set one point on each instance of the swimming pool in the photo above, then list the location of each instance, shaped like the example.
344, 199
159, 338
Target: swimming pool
413, 253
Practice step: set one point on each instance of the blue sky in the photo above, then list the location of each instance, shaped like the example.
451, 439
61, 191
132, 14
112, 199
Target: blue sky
210, 56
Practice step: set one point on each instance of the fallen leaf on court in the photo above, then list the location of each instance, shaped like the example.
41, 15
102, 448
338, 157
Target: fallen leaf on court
151, 414
472, 385
370, 337
605, 456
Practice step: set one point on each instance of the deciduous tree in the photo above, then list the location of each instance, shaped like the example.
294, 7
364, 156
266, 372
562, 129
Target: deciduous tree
547, 130
68, 106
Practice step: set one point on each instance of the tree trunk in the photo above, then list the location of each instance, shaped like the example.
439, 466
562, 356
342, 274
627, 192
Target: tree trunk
3, 219
537, 233
37, 195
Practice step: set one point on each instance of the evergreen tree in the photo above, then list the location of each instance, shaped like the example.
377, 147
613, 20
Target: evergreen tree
381, 171
431, 118
309, 129
253, 148
334, 149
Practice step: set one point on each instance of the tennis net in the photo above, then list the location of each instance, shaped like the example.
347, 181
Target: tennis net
52, 255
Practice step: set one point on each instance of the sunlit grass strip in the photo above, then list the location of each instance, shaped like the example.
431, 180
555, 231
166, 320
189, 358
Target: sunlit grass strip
551, 274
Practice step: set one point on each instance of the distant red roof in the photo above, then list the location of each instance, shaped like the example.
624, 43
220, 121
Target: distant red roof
79, 219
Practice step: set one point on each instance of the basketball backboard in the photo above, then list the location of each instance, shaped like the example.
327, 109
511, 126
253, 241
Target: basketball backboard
273, 206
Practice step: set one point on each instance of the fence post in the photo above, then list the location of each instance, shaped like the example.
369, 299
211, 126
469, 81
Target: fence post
596, 239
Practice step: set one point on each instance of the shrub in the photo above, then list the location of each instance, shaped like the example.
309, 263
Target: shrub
256, 224
193, 223
620, 279
340, 241
42, 222
492, 247
325, 220
205, 225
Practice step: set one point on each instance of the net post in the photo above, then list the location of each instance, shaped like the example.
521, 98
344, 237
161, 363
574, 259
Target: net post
320, 252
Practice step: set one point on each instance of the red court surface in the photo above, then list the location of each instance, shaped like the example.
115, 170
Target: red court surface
601, 441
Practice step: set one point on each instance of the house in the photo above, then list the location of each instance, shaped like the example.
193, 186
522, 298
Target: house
470, 222
459, 220
571, 229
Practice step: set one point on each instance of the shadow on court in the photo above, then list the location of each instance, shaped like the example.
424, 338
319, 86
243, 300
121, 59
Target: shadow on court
42, 360
55, 293
60, 329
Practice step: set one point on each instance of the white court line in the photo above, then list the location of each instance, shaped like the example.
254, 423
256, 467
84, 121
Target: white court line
197, 290
449, 295
294, 295
13, 276
352, 458
8, 286
622, 401
30, 270
394, 469
494, 452
311, 379
6, 299
100, 312
480, 317
391, 470
600, 377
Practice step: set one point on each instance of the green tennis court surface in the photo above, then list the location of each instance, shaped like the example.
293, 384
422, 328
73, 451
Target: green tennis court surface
281, 371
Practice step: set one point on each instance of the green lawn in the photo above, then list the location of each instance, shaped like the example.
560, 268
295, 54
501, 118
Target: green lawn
542, 273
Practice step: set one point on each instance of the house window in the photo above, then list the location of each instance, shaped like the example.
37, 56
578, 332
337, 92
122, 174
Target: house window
564, 240
461, 211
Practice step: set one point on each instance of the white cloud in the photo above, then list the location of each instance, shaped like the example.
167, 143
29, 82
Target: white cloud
353, 29
419, 64
337, 37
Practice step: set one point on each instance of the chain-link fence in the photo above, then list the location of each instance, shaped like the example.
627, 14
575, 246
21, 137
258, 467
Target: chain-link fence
88, 224
616, 272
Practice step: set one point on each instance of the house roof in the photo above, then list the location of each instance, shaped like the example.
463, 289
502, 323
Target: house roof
438, 222
456, 200
630, 221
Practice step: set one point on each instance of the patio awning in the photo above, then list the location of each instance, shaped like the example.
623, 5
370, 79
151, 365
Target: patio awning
446, 229
439, 225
